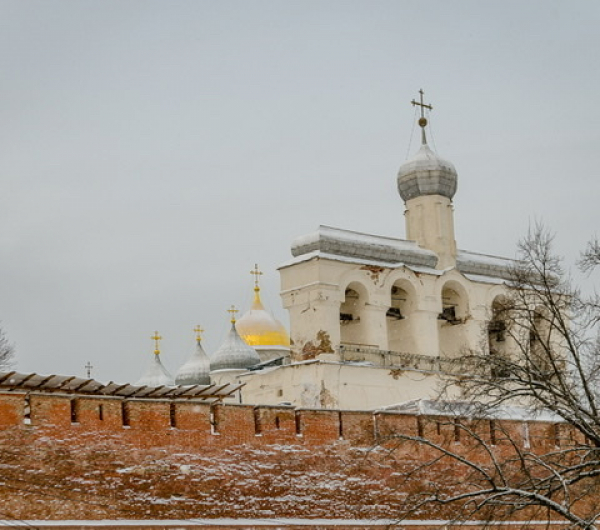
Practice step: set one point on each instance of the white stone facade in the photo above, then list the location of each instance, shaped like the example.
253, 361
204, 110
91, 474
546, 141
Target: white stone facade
377, 320
366, 334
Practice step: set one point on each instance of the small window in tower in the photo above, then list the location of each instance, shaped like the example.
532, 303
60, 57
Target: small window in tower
557, 434
492, 432
125, 413
456, 433
419, 427
101, 412
74, 411
172, 415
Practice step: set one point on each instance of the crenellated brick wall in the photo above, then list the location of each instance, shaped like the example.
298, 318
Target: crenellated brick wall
66, 457
240, 424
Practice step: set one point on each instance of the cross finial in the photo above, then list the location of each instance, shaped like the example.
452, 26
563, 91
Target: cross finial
156, 338
198, 330
232, 311
422, 119
256, 273
88, 367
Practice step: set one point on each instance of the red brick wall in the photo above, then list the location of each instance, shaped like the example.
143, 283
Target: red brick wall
50, 410
319, 426
261, 424
83, 458
11, 410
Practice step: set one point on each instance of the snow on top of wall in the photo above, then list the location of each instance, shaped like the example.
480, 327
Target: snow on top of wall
369, 249
429, 407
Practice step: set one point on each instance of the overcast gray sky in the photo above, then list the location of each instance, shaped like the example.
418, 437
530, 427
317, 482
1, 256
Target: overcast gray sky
152, 151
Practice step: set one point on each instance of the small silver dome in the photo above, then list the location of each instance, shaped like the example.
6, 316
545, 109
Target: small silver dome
196, 369
426, 174
234, 353
156, 375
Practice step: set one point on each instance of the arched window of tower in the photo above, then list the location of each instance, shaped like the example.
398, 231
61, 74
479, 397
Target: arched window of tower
352, 316
452, 333
398, 317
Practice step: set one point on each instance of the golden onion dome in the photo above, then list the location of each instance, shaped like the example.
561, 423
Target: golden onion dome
259, 328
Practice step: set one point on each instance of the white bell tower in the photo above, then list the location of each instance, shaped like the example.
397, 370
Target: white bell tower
427, 184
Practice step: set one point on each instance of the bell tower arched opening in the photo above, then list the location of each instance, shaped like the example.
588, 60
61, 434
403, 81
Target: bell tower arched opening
398, 318
451, 320
497, 334
542, 353
352, 316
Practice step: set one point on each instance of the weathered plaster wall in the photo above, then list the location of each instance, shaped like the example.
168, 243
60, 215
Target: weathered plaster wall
333, 385
314, 292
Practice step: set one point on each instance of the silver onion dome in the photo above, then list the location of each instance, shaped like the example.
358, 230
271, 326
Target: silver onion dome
156, 375
427, 174
196, 369
234, 353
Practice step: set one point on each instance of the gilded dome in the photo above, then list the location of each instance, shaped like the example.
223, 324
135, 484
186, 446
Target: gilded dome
259, 328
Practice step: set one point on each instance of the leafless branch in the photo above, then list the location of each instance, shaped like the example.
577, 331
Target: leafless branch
6, 351
552, 367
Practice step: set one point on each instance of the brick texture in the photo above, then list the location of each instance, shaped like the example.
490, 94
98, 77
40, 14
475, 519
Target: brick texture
85, 458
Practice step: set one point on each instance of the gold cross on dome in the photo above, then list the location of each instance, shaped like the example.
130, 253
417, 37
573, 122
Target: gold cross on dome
422, 119
232, 311
421, 104
88, 368
156, 338
198, 330
256, 273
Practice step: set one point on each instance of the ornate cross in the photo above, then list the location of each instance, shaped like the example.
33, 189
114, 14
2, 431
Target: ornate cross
421, 104
422, 120
88, 368
232, 311
198, 330
156, 338
256, 273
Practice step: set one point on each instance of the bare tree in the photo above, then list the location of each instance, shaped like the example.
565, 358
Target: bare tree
6, 352
590, 257
542, 355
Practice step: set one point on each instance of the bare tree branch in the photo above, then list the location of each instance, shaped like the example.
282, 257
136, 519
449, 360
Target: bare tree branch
590, 257
6, 352
552, 367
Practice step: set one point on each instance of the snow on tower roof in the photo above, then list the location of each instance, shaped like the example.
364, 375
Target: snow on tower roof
369, 249
359, 245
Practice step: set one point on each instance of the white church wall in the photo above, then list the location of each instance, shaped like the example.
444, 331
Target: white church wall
354, 305
318, 384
